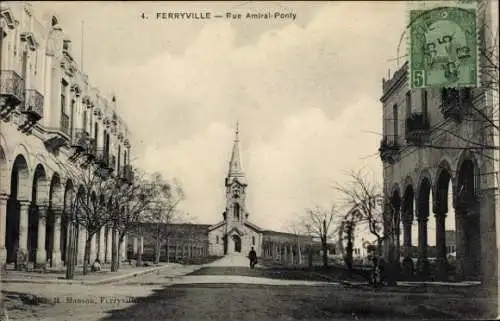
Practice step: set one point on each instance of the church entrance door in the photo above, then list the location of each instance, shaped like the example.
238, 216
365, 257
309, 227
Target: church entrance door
237, 243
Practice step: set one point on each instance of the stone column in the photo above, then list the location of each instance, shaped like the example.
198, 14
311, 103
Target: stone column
41, 253
23, 226
422, 246
123, 249
93, 249
442, 266
407, 236
460, 226
291, 255
109, 246
3, 216
56, 244
285, 254
82, 237
134, 246
102, 245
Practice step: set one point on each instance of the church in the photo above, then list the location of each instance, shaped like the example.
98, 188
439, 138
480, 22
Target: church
235, 233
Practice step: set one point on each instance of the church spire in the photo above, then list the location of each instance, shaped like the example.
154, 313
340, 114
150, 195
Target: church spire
235, 163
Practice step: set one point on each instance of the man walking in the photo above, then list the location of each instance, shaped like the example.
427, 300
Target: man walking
252, 255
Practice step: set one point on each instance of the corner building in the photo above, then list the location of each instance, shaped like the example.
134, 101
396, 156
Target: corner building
434, 139
51, 120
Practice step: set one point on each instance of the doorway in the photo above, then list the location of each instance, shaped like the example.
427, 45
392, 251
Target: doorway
237, 243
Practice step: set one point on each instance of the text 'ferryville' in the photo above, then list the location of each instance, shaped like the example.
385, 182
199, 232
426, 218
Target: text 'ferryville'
227, 15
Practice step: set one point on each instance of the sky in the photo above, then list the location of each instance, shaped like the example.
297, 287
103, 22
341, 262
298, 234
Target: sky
305, 92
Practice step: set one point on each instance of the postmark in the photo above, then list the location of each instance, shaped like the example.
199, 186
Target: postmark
443, 47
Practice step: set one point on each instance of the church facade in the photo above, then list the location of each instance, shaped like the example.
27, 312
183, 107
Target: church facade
235, 234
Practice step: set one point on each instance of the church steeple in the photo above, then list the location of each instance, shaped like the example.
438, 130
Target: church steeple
235, 169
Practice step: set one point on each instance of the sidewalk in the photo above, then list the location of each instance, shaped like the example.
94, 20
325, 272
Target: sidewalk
105, 276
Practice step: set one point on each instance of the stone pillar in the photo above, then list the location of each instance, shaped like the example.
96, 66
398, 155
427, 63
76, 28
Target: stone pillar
41, 253
93, 249
422, 246
3, 216
109, 245
102, 245
442, 266
460, 226
407, 236
285, 254
56, 244
82, 237
291, 255
23, 226
134, 246
123, 249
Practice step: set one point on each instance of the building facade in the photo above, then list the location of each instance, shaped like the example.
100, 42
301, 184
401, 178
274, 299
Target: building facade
435, 139
54, 123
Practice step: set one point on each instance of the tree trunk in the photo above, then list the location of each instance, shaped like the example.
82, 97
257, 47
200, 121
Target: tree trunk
168, 248
325, 254
86, 256
70, 253
114, 251
157, 244
121, 237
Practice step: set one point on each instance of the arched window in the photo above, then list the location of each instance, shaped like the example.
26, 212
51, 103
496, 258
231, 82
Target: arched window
237, 211
217, 239
253, 240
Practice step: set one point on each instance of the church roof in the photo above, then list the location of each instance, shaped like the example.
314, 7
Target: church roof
253, 226
215, 226
235, 168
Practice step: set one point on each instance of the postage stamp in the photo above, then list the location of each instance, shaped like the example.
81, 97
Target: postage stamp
443, 47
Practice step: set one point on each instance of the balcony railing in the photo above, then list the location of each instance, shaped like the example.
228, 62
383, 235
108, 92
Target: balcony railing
388, 150
11, 87
33, 104
112, 162
128, 173
92, 148
101, 157
65, 124
417, 128
81, 140
456, 103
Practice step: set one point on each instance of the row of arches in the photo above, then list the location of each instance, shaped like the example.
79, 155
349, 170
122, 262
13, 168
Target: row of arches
34, 216
414, 203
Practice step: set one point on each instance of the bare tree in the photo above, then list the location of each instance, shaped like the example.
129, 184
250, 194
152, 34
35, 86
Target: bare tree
88, 208
319, 221
371, 208
163, 208
133, 197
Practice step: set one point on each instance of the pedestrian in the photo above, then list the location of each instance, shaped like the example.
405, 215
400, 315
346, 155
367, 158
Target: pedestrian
252, 255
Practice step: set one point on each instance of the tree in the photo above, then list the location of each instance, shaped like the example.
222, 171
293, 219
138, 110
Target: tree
163, 208
133, 197
346, 234
88, 209
318, 221
373, 209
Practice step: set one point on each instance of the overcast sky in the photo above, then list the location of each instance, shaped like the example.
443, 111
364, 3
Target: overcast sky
306, 93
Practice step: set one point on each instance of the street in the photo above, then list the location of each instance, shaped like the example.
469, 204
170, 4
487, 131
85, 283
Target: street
220, 292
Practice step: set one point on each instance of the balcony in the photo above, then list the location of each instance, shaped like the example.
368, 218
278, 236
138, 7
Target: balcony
388, 150
101, 157
111, 162
128, 174
81, 141
456, 103
64, 125
33, 104
11, 89
91, 148
417, 128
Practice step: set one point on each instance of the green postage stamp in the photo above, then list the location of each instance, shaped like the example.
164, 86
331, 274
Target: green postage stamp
443, 46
